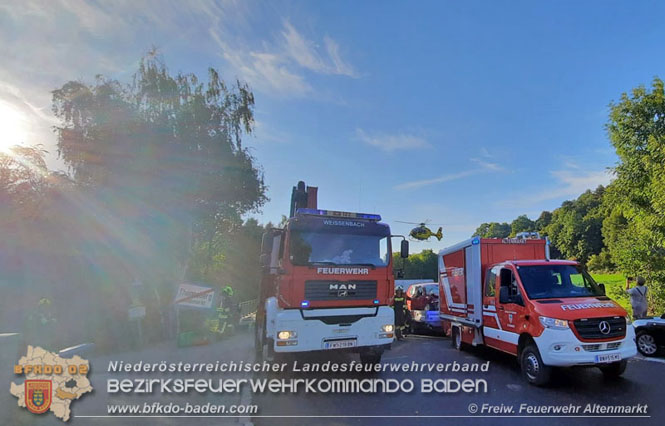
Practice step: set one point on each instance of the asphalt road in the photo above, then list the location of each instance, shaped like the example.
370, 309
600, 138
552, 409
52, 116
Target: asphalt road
641, 384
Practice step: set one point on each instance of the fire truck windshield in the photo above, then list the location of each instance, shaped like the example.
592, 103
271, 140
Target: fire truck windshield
557, 281
316, 248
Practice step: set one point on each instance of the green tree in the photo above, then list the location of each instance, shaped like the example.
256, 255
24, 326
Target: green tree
543, 220
493, 230
163, 175
522, 224
575, 228
635, 229
419, 265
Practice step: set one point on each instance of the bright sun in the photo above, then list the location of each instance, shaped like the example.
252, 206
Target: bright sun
13, 126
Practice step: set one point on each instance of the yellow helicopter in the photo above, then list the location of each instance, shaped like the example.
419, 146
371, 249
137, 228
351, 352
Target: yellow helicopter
422, 232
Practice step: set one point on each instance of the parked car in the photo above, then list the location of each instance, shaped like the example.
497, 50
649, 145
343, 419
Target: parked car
422, 302
650, 335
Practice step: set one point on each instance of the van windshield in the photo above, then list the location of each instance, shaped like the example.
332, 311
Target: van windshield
557, 281
317, 248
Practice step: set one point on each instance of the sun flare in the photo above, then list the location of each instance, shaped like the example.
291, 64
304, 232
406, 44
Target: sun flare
13, 126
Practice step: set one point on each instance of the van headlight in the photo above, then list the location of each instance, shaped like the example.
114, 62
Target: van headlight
388, 328
555, 323
285, 335
628, 321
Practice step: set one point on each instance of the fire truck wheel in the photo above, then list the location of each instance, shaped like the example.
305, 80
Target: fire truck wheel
456, 338
533, 369
614, 369
370, 357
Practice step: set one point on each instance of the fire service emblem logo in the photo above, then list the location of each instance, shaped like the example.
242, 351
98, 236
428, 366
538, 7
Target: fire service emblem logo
38, 395
604, 327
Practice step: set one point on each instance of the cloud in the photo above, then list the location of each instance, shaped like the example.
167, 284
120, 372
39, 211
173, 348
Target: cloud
307, 53
485, 167
571, 182
392, 142
279, 65
440, 179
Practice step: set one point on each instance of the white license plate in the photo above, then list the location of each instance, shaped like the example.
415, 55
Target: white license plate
608, 358
339, 344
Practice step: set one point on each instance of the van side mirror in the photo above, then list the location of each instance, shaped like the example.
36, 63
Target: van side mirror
518, 299
404, 249
504, 295
602, 288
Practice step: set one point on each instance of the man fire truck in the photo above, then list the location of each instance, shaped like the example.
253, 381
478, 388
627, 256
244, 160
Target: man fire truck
327, 282
507, 294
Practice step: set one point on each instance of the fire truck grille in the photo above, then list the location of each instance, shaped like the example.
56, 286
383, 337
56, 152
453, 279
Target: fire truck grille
601, 328
340, 290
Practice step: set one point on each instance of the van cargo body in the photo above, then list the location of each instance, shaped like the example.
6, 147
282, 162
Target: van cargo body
507, 294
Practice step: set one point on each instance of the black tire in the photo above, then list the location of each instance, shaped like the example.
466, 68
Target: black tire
370, 357
259, 335
614, 369
456, 338
533, 369
646, 343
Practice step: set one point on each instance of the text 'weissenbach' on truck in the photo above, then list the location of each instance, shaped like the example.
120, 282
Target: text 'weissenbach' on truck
327, 282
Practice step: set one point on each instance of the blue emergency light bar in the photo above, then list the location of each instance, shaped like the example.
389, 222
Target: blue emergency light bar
333, 213
304, 304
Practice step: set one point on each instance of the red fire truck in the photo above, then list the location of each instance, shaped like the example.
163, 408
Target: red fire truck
507, 294
327, 282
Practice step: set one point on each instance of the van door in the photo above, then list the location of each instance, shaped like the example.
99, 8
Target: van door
492, 330
510, 308
503, 309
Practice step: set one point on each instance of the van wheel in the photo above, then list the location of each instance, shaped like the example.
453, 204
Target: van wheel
646, 343
456, 338
614, 369
533, 369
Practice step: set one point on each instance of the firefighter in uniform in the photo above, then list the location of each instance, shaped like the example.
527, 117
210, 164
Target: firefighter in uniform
399, 305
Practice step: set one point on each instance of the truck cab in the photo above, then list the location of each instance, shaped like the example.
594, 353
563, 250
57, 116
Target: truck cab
327, 285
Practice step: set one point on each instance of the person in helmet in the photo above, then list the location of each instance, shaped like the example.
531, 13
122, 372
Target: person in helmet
399, 305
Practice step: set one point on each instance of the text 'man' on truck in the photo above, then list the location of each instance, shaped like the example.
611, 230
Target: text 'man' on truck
507, 294
327, 282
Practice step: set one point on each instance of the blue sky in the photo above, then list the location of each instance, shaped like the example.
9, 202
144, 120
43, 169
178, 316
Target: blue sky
456, 112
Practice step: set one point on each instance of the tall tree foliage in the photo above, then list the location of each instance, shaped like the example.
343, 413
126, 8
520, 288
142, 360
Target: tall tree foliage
165, 152
419, 265
575, 228
635, 229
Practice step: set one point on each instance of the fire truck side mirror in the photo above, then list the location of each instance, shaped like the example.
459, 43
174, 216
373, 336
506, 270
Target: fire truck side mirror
404, 249
504, 294
264, 260
266, 243
602, 288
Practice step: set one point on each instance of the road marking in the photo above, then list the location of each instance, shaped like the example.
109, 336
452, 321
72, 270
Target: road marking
417, 336
643, 358
395, 357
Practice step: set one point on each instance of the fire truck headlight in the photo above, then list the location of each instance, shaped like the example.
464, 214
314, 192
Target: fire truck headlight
557, 324
388, 328
286, 335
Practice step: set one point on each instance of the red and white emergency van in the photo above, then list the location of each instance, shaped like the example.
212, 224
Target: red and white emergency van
507, 294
